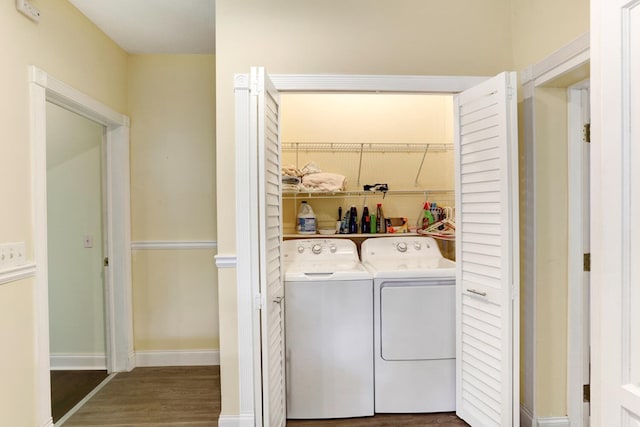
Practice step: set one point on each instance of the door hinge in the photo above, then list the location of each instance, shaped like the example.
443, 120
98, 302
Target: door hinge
586, 392
258, 302
105, 261
586, 132
586, 262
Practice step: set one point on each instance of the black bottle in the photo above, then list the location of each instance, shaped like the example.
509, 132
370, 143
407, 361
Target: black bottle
353, 220
365, 223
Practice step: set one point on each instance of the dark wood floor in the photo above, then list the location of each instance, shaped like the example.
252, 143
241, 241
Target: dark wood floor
70, 387
386, 420
190, 396
170, 396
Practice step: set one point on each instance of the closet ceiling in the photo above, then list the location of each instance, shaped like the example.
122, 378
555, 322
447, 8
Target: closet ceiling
155, 26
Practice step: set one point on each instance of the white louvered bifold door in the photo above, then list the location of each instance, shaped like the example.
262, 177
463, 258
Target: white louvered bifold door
487, 253
271, 280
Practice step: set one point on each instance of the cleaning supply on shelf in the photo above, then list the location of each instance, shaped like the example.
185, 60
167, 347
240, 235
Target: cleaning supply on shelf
426, 218
381, 225
365, 224
353, 220
306, 219
373, 224
344, 229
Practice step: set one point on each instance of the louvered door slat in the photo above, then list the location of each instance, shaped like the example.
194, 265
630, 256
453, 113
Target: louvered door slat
485, 255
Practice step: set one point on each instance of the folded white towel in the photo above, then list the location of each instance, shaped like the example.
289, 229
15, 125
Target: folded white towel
324, 181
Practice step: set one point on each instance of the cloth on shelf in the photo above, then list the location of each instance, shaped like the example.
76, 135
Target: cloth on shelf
309, 168
290, 183
290, 171
323, 181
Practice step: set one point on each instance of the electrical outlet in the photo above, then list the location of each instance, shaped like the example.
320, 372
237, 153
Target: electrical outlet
12, 255
27, 9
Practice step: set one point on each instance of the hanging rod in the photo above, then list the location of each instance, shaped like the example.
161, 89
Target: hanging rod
368, 147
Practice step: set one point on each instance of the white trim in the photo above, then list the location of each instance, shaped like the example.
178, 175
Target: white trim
118, 308
77, 361
19, 272
48, 423
226, 261
564, 60
242, 420
526, 417
173, 244
373, 83
552, 422
577, 104
248, 318
177, 358
80, 404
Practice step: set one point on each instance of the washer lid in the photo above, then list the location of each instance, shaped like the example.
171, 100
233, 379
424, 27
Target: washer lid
324, 271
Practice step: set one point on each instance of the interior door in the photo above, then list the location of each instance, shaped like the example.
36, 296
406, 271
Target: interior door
615, 235
487, 253
265, 105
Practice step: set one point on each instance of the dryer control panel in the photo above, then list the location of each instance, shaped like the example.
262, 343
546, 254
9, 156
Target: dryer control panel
399, 246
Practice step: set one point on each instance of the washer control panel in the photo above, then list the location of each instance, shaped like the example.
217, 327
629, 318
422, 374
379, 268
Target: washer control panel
318, 249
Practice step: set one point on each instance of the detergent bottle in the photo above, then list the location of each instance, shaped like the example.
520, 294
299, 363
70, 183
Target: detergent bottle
306, 219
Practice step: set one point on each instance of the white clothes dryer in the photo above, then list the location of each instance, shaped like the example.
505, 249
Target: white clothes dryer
328, 330
414, 324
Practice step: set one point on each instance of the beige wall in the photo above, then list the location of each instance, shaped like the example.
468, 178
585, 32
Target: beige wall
540, 27
172, 110
72, 49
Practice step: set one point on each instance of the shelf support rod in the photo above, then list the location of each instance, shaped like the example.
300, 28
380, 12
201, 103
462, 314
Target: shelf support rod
360, 163
424, 156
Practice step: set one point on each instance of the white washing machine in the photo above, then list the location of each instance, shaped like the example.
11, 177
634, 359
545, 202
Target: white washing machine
328, 330
414, 324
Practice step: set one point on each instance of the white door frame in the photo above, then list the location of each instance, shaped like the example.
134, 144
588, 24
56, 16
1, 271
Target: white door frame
556, 70
118, 309
249, 345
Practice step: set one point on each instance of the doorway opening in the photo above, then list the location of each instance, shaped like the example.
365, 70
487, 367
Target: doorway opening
76, 247
118, 338
491, 98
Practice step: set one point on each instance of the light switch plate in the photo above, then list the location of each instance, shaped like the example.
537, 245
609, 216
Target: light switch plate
12, 255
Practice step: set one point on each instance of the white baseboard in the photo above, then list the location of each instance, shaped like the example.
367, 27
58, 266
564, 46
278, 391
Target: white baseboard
552, 422
177, 358
77, 361
49, 423
528, 420
244, 420
526, 417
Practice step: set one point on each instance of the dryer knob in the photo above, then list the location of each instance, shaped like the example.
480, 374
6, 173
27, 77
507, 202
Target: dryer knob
402, 247
300, 249
316, 249
417, 245
333, 249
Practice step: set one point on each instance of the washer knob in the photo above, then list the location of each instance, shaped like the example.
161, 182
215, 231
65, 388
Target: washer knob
332, 248
402, 247
316, 249
300, 249
417, 245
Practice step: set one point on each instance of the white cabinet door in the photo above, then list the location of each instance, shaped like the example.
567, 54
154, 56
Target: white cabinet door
487, 253
615, 210
265, 106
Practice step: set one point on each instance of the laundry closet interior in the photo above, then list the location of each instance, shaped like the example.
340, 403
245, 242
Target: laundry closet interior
347, 328
401, 140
